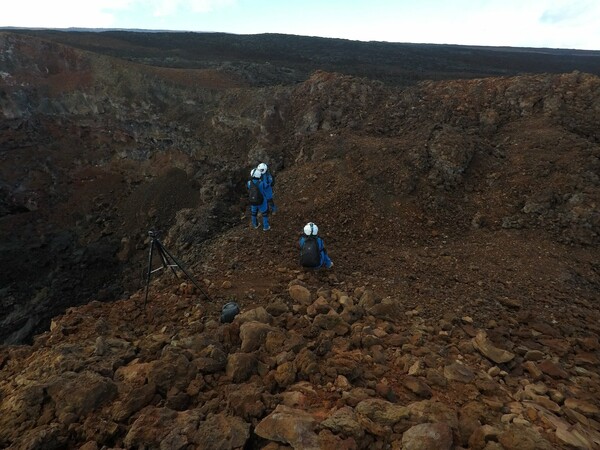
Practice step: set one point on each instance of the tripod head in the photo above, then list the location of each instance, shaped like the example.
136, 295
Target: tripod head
154, 234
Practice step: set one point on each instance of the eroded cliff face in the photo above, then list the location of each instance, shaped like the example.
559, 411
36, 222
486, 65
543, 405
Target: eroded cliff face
95, 153
461, 216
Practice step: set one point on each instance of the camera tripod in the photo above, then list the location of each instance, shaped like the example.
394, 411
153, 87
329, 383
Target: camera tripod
168, 261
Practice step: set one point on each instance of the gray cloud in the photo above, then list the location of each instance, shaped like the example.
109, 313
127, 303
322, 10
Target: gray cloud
568, 13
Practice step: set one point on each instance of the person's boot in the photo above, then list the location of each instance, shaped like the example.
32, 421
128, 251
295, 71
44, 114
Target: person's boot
254, 222
266, 226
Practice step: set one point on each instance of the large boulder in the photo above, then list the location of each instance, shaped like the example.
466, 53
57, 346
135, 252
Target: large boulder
150, 428
240, 366
426, 436
172, 370
222, 432
382, 411
344, 421
253, 335
134, 374
246, 401
211, 359
21, 409
77, 394
458, 372
433, 411
300, 294
259, 314
519, 437
135, 400
489, 350
290, 426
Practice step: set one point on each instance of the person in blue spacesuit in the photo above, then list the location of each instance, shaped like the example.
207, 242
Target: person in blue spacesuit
269, 180
257, 195
312, 249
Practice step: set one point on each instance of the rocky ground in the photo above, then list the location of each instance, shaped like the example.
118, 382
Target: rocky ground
461, 217
313, 361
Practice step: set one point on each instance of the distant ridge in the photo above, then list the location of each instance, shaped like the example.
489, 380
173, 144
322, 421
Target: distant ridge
549, 50
282, 59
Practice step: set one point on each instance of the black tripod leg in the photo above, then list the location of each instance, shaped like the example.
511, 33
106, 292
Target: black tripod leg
185, 271
149, 272
163, 256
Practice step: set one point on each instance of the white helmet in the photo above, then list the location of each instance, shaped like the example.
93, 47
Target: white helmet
255, 173
311, 229
262, 167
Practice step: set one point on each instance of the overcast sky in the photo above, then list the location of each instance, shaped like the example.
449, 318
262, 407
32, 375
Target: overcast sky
518, 23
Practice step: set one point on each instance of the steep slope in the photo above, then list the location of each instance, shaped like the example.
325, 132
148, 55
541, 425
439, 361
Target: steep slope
97, 151
89, 145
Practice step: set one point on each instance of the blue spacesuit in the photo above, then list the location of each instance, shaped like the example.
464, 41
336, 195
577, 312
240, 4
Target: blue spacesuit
322, 258
261, 207
269, 183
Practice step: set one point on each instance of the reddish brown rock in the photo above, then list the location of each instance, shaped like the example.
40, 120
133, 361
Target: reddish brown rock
589, 344
552, 369
545, 328
458, 372
253, 335
586, 359
583, 407
489, 350
427, 436
519, 437
79, 394
211, 359
290, 426
533, 370
417, 386
510, 302
246, 401
300, 294
347, 364
241, 366
545, 402
381, 411
220, 431
577, 437
344, 421
481, 436
534, 355
333, 322
559, 347
285, 374
328, 440
134, 401
433, 411
172, 370
151, 427
471, 416
259, 314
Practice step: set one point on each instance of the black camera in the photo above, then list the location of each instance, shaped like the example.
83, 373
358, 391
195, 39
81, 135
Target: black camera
229, 311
